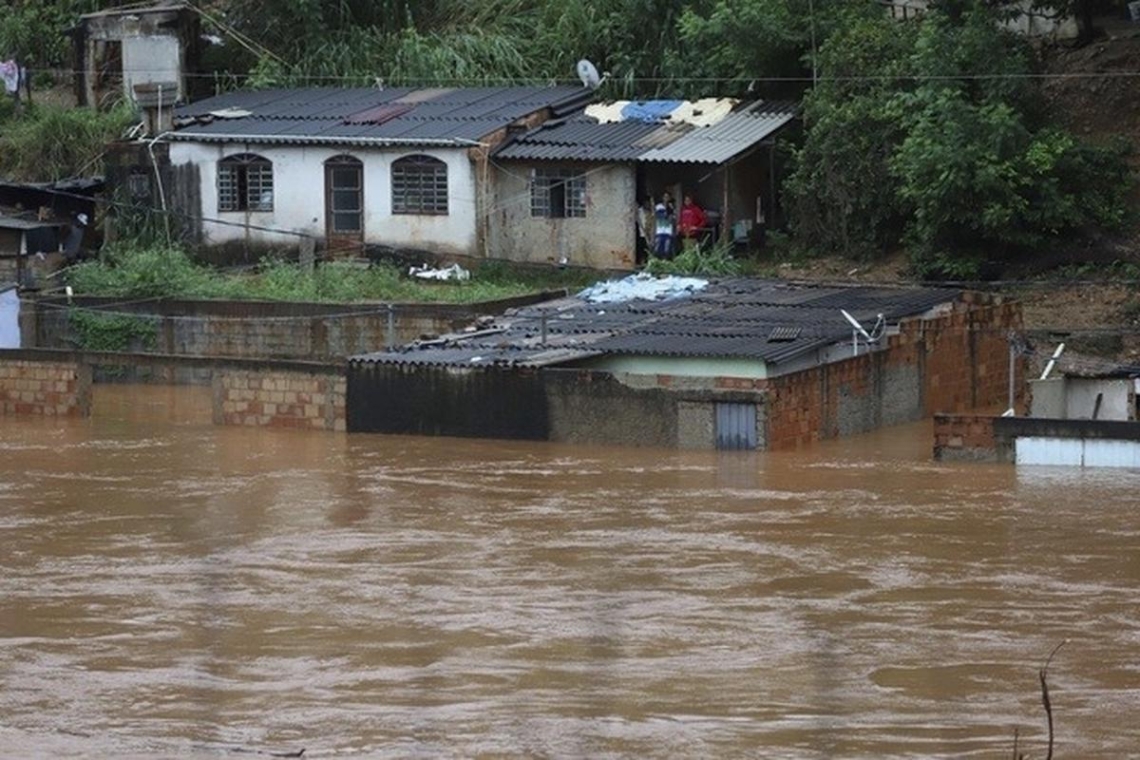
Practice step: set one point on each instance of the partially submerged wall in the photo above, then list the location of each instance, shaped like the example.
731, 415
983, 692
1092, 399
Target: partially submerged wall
260, 329
279, 399
29, 386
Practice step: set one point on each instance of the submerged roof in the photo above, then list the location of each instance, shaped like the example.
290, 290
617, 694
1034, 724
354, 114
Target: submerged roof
766, 320
678, 131
368, 115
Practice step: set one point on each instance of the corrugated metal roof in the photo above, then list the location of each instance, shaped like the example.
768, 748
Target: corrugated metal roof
583, 138
730, 318
344, 116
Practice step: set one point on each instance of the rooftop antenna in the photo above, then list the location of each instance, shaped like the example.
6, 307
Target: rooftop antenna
588, 73
857, 329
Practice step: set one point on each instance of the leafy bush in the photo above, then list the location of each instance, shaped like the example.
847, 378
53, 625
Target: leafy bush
93, 331
53, 142
709, 260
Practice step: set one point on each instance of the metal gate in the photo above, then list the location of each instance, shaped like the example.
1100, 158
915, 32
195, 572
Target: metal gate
736, 426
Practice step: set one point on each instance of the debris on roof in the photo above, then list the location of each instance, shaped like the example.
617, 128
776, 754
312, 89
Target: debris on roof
641, 286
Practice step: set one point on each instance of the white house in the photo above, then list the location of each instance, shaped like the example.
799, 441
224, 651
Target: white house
399, 168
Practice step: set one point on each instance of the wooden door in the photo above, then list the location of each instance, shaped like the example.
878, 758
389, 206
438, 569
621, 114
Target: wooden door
344, 206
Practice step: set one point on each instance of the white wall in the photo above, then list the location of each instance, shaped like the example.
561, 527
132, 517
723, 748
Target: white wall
299, 197
1081, 393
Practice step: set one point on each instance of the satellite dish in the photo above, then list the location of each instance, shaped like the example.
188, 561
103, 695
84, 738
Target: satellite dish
588, 73
858, 329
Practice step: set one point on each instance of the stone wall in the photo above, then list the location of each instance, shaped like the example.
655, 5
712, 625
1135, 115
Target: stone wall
45, 388
279, 399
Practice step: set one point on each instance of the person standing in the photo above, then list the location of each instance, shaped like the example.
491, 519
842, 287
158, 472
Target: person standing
693, 221
663, 228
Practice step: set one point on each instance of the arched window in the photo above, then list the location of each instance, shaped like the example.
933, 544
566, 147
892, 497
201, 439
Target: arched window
245, 183
419, 185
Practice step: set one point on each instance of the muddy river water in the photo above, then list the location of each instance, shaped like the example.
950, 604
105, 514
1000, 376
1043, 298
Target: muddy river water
173, 589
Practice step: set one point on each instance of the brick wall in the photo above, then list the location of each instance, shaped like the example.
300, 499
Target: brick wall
956, 362
61, 389
280, 399
964, 437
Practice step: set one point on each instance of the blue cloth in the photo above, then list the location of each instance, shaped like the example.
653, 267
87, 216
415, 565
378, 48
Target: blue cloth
650, 110
663, 246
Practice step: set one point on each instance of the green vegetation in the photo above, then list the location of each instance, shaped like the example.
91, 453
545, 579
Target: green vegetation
133, 271
93, 331
709, 260
53, 142
929, 136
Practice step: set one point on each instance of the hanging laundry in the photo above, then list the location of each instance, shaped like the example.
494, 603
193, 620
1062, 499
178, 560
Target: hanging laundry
10, 73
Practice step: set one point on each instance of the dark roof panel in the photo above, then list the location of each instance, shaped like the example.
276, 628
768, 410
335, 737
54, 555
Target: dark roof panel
763, 320
397, 115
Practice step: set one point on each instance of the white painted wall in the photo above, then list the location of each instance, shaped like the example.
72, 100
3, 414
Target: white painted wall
1081, 393
299, 197
676, 366
150, 60
1077, 452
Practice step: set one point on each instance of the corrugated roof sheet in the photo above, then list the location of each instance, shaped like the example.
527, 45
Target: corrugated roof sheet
733, 318
332, 115
583, 138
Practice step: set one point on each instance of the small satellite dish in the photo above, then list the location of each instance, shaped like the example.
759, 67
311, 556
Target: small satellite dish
588, 73
858, 329
855, 323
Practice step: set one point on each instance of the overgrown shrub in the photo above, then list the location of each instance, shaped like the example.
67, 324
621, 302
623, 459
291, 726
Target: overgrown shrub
53, 142
711, 260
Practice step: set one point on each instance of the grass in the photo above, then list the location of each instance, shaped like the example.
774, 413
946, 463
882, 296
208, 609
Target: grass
132, 271
50, 142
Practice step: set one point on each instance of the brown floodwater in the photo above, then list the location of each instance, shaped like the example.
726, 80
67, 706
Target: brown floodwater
173, 589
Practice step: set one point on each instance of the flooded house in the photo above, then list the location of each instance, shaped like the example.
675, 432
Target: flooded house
730, 364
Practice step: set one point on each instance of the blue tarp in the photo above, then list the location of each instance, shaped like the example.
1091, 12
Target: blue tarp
650, 110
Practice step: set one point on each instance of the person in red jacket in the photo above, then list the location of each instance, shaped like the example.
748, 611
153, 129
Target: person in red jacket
692, 221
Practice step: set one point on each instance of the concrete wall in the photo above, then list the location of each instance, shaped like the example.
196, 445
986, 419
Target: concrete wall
605, 238
299, 198
44, 388
279, 399
157, 47
1118, 401
678, 366
259, 329
1053, 441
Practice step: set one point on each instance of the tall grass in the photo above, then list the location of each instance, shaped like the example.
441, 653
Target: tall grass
132, 271
51, 142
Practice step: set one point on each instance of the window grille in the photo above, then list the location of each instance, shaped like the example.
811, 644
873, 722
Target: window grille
419, 186
245, 183
558, 193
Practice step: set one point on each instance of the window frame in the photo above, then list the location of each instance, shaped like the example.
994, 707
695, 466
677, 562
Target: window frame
243, 180
558, 193
420, 186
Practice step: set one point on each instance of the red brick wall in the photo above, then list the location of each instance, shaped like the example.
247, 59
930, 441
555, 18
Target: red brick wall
280, 399
960, 360
58, 389
964, 436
